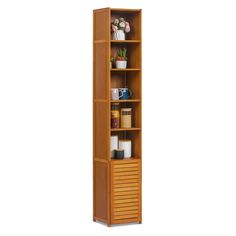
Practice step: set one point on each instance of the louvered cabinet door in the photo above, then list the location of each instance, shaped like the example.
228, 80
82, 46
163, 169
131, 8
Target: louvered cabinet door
125, 191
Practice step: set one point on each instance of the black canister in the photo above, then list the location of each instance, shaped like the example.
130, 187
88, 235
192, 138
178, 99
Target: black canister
119, 153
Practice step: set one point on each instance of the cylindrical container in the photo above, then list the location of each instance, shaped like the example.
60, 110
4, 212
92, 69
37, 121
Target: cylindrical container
113, 144
119, 153
115, 116
126, 117
114, 94
126, 145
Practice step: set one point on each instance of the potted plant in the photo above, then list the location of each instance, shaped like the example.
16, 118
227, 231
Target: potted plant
119, 28
121, 59
111, 61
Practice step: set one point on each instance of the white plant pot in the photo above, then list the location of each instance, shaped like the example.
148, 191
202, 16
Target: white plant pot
110, 65
118, 35
121, 64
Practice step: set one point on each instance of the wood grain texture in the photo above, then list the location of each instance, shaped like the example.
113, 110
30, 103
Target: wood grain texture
100, 71
101, 130
101, 114
101, 189
125, 195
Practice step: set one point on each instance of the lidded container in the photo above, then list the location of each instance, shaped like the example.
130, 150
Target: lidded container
115, 116
126, 117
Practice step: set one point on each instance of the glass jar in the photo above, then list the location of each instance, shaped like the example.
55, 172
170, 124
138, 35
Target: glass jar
126, 117
115, 116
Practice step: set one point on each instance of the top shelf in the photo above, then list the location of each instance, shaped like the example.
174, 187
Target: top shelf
124, 10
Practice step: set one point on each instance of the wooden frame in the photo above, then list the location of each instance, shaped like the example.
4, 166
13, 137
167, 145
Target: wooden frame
117, 184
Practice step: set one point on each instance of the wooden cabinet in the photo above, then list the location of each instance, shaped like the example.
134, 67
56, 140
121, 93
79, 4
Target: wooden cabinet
117, 184
125, 191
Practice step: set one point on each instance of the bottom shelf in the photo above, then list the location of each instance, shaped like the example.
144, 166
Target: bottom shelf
133, 137
125, 159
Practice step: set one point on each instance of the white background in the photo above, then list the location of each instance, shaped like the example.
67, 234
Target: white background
189, 118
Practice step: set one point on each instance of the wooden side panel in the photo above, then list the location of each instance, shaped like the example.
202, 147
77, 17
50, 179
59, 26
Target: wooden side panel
101, 130
101, 23
101, 115
100, 70
101, 48
100, 190
125, 191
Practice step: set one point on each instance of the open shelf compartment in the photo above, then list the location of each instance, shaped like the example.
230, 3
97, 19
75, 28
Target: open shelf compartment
135, 138
133, 54
129, 79
136, 114
134, 19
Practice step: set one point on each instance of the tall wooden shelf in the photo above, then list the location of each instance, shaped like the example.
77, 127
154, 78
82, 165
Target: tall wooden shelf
117, 184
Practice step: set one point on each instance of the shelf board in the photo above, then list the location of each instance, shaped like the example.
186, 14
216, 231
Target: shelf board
125, 129
118, 41
126, 159
124, 10
127, 69
128, 100
125, 41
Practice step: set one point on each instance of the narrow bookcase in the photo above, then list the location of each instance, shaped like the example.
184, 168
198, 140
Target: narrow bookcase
117, 184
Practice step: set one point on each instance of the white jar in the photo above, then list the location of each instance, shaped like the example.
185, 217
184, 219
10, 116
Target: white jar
113, 144
126, 145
